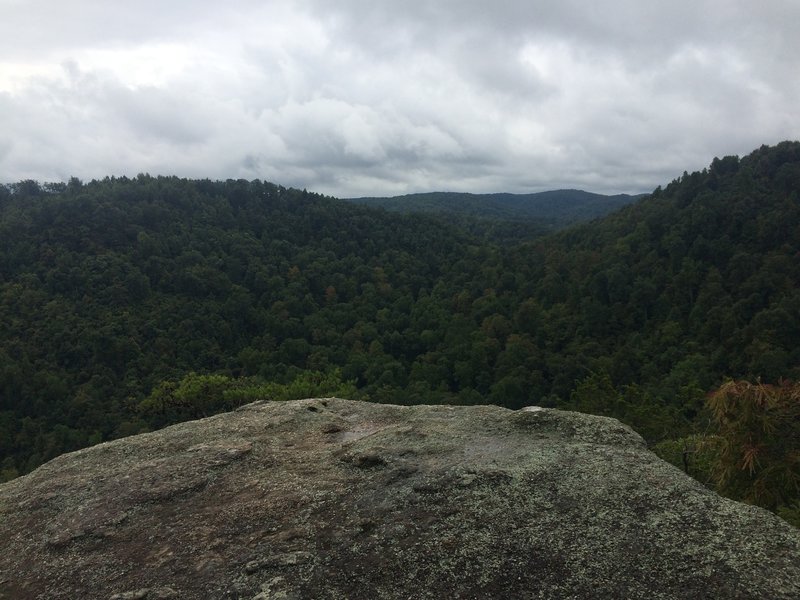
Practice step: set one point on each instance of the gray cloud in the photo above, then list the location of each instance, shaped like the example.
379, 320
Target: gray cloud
357, 97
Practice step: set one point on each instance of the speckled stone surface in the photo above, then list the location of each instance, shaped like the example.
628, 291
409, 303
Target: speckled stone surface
331, 498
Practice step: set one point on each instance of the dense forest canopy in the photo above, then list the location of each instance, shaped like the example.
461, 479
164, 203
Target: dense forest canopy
111, 288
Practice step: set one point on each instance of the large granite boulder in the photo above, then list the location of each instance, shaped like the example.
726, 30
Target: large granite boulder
330, 498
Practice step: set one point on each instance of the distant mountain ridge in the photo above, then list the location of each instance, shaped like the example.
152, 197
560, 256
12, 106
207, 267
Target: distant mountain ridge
555, 208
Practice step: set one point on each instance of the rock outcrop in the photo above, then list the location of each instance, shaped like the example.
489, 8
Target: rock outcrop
330, 498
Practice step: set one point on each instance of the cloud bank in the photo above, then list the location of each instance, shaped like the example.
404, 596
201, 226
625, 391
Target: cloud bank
380, 98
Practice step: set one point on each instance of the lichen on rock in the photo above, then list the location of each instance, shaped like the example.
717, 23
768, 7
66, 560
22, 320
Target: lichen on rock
330, 498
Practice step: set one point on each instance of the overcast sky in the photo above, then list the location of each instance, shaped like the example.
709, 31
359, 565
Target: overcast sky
374, 97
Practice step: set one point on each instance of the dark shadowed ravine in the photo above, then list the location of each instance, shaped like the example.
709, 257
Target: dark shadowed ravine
330, 498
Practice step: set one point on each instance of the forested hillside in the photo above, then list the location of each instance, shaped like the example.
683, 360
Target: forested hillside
114, 292
506, 218
697, 282
110, 287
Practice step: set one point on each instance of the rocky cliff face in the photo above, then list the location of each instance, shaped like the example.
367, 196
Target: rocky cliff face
329, 498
